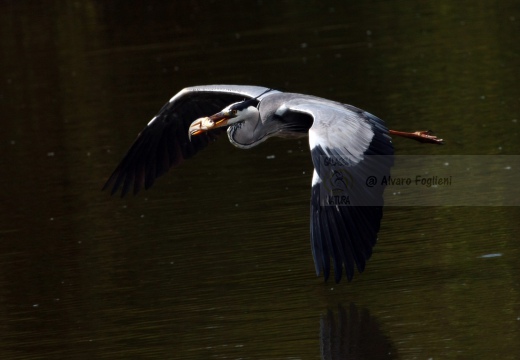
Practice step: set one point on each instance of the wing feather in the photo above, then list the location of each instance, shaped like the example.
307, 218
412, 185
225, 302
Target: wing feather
164, 142
363, 148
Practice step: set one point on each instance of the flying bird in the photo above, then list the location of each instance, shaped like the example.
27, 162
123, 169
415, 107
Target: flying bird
343, 140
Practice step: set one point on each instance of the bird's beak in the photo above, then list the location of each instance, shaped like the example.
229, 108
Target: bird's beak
204, 124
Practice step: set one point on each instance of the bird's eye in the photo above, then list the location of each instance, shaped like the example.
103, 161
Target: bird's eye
234, 112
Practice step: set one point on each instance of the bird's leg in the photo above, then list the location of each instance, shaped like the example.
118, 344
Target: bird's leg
425, 136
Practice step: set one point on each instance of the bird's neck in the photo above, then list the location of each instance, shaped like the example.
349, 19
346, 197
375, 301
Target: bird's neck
249, 133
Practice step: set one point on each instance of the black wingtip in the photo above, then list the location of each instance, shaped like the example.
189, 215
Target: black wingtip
108, 184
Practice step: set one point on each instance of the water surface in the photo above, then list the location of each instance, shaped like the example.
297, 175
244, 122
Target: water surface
214, 261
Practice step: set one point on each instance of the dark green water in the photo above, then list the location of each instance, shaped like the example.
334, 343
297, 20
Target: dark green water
214, 261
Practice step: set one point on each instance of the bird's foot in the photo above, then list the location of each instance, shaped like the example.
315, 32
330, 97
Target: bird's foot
424, 136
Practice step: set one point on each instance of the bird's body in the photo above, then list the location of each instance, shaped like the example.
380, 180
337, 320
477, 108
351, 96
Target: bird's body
345, 141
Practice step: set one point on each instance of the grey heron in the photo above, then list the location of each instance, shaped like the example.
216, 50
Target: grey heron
359, 141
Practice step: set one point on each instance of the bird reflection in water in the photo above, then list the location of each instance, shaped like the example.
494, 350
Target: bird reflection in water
353, 334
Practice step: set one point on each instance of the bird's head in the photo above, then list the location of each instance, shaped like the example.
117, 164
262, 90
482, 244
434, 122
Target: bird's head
231, 114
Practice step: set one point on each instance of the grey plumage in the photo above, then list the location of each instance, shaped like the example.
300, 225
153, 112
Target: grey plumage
348, 135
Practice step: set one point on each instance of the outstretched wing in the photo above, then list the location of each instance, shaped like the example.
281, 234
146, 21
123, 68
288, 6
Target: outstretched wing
349, 148
164, 142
